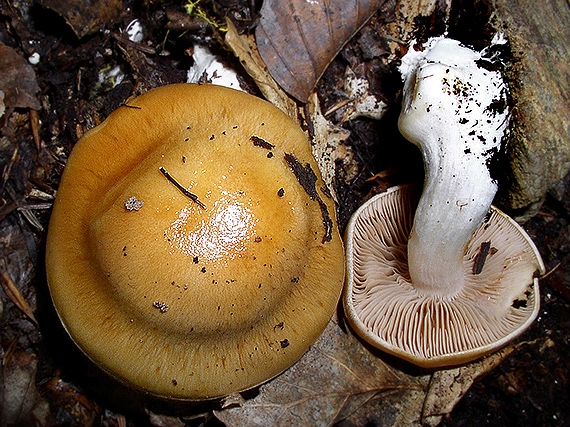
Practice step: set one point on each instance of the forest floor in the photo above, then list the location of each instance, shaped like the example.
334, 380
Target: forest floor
83, 79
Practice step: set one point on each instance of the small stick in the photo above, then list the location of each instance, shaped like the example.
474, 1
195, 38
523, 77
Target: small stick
481, 257
188, 194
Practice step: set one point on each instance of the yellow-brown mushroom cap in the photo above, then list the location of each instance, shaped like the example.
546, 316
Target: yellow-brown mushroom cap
190, 301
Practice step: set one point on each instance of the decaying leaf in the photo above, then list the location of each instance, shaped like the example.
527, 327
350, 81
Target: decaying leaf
332, 380
447, 387
327, 142
298, 39
2, 106
340, 382
398, 409
20, 402
245, 49
85, 17
74, 406
400, 32
17, 80
158, 420
361, 103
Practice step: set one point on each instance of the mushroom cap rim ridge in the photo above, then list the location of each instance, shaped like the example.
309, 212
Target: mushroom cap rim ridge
445, 360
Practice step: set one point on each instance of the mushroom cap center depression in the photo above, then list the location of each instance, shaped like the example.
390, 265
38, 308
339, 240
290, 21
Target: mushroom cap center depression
223, 262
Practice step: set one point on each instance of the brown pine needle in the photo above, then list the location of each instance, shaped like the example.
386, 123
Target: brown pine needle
16, 296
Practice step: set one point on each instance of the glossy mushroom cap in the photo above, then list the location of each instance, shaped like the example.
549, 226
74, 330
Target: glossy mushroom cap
499, 298
196, 295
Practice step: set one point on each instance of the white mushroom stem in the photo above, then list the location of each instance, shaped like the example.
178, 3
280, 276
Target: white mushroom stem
455, 112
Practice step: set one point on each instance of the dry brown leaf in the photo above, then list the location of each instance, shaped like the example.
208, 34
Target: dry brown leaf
17, 80
333, 379
85, 17
245, 49
298, 39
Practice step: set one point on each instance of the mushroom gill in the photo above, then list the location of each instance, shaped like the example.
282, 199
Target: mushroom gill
497, 302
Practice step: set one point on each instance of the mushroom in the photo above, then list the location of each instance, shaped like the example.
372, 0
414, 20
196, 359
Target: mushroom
193, 250
458, 283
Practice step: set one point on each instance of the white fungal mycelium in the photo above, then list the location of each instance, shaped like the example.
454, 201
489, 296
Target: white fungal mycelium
135, 31
208, 68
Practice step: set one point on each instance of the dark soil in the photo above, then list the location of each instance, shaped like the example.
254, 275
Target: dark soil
530, 388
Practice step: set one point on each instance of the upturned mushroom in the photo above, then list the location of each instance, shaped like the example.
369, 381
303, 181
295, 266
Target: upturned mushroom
193, 250
438, 293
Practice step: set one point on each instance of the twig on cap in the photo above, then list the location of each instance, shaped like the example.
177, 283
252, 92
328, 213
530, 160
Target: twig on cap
187, 193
